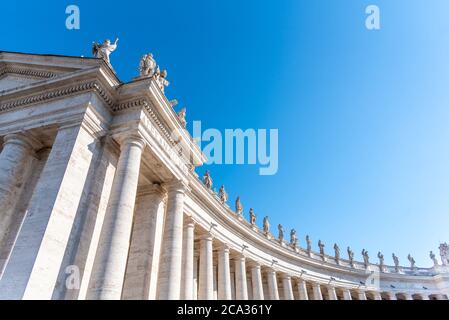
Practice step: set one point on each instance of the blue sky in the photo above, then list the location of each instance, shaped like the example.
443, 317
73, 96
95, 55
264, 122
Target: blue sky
362, 115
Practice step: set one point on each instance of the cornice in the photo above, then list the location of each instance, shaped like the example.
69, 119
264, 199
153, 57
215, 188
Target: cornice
59, 93
26, 72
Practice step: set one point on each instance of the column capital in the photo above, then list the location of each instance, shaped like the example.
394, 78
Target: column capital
176, 186
155, 189
23, 139
128, 137
223, 247
254, 264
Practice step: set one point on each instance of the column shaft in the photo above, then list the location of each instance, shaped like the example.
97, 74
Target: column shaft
332, 293
241, 286
189, 238
317, 295
110, 262
302, 289
171, 259
287, 286
272, 285
206, 283
347, 294
256, 277
224, 274
361, 294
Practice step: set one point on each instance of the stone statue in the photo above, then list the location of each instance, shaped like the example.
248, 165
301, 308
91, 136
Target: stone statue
238, 206
396, 262
365, 258
412, 262
266, 226
444, 253
381, 260
161, 78
223, 195
147, 67
309, 245
337, 253
281, 233
293, 238
434, 258
321, 246
208, 180
351, 257
252, 217
103, 51
182, 114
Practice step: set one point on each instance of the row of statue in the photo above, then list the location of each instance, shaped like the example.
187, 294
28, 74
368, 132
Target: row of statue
223, 196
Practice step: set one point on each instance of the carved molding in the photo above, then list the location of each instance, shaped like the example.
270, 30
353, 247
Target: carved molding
39, 98
5, 69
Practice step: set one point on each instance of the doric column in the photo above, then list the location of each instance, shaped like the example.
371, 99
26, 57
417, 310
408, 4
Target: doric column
317, 295
112, 253
224, 274
272, 284
171, 259
287, 286
408, 296
143, 263
40, 247
377, 296
332, 293
256, 280
392, 296
206, 282
347, 294
14, 160
361, 294
189, 238
302, 290
241, 286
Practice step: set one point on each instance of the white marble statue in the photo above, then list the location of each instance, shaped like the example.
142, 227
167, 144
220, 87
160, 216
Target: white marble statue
293, 238
381, 260
266, 226
238, 207
207, 180
309, 244
396, 262
104, 50
434, 258
182, 114
351, 256
321, 246
337, 253
444, 253
412, 261
161, 78
252, 217
365, 258
147, 67
281, 233
223, 195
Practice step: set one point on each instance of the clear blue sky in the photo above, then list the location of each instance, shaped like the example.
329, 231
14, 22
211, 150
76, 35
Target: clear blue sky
363, 116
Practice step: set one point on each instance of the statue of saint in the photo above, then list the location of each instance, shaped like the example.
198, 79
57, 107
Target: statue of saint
434, 258
321, 246
238, 206
281, 232
309, 244
412, 261
337, 253
365, 258
147, 67
104, 50
252, 217
223, 195
266, 226
444, 253
396, 262
182, 115
351, 257
208, 180
161, 78
381, 260
293, 238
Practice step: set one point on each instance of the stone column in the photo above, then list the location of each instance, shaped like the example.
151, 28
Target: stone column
392, 296
347, 294
206, 282
143, 263
15, 157
256, 280
408, 296
112, 254
287, 286
424, 296
171, 259
317, 295
332, 293
189, 238
272, 284
224, 274
39, 249
241, 286
361, 294
377, 296
302, 289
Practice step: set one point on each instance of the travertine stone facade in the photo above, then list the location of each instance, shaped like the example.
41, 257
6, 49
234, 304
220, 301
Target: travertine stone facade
97, 201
